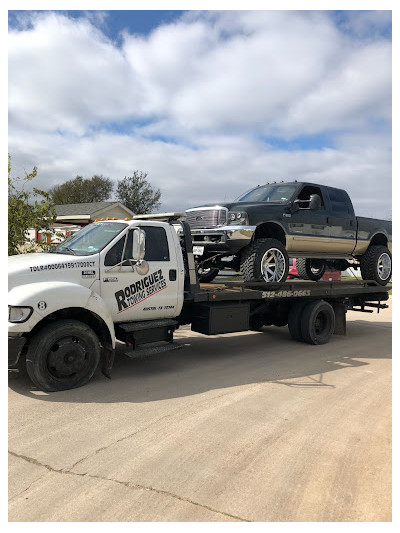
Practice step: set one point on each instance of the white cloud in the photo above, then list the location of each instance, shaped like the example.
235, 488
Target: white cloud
213, 83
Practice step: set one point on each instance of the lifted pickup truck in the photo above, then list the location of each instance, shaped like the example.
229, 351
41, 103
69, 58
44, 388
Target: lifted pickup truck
315, 224
136, 281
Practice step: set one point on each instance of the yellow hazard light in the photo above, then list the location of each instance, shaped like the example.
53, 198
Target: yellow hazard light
127, 218
96, 220
102, 219
115, 218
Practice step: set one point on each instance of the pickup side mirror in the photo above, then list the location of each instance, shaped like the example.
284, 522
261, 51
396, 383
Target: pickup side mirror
138, 245
315, 202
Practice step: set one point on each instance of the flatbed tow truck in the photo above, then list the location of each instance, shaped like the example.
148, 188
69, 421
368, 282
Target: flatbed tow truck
136, 281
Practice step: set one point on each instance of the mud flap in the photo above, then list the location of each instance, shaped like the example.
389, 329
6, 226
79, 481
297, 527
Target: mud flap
340, 318
108, 361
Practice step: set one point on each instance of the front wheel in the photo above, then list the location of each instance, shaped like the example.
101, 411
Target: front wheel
63, 355
312, 269
265, 259
376, 264
206, 275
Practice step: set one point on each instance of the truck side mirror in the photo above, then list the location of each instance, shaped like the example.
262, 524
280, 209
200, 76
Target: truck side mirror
315, 202
138, 245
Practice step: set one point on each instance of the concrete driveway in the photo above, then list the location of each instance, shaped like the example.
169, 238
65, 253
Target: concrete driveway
238, 427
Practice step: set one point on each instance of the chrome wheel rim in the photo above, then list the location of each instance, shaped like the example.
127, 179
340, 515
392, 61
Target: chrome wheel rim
384, 266
273, 265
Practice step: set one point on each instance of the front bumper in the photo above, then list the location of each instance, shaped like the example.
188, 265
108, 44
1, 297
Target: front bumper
229, 239
15, 345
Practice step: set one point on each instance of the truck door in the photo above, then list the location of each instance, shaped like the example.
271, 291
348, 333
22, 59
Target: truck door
342, 221
131, 296
308, 229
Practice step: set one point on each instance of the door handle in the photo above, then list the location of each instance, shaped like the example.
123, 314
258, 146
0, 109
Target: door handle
172, 275
328, 220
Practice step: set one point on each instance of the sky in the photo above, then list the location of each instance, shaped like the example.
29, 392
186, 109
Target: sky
208, 103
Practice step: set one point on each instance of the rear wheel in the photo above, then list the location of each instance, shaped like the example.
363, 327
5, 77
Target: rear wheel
317, 322
265, 259
312, 269
63, 355
376, 264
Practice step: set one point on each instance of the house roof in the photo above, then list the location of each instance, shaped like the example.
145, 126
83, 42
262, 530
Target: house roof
90, 208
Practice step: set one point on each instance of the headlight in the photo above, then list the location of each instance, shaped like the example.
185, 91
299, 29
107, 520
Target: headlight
238, 217
19, 314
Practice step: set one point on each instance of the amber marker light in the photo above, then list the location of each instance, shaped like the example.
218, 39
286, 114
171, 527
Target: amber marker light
127, 218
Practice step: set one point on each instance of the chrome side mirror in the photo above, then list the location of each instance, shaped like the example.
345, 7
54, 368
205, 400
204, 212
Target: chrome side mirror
138, 245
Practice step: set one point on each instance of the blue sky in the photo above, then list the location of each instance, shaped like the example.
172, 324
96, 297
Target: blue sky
207, 102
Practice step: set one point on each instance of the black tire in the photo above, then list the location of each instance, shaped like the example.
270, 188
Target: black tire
317, 322
294, 320
312, 269
254, 260
206, 275
63, 355
376, 264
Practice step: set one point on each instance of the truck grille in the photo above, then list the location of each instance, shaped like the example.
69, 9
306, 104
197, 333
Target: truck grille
207, 217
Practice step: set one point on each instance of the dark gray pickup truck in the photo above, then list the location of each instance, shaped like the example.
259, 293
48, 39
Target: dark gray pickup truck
316, 224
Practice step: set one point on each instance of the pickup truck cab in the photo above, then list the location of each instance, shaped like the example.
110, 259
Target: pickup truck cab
313, 223
135, 281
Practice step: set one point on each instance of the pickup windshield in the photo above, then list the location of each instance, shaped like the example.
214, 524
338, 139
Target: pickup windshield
281, 193
90, 239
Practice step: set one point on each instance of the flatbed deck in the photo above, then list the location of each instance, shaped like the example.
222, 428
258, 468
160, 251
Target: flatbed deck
296, 289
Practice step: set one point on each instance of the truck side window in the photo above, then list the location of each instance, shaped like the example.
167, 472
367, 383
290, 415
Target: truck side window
339, 201
156, 244
113, 256
308, 190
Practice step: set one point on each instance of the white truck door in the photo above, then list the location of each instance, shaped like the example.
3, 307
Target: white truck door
131, 296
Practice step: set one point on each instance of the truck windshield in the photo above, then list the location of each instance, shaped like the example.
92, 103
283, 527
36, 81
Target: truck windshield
280, 193
90, 239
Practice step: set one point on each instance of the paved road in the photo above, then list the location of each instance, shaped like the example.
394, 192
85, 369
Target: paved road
240, 427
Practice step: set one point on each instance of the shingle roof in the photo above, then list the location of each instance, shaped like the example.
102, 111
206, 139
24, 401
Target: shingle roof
81, 209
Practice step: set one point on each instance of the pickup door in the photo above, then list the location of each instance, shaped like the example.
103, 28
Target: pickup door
342, 221
131, 296
329, 230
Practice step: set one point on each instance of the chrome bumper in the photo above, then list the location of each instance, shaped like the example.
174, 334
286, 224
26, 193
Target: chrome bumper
223, 239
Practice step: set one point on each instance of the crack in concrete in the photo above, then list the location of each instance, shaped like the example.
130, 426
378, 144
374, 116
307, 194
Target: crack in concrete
181, 412
128, 484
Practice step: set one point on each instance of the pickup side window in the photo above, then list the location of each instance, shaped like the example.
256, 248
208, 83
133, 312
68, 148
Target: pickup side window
156, 244
308, 190
339, 201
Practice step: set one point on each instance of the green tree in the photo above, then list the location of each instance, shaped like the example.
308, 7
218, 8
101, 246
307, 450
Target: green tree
80, 191
26, 210
136, 193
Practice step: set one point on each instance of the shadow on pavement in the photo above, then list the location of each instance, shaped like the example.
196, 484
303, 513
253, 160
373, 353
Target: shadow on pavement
222, 362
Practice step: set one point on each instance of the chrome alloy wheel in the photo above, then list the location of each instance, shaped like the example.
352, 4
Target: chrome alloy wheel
273, 265
384, 266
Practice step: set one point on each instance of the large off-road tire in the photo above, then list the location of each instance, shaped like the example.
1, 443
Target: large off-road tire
206, 275
312, 269
317, 322
265, 259
376, 264
63, 355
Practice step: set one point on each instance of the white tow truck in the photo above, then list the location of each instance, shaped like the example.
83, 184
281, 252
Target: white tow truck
135, 281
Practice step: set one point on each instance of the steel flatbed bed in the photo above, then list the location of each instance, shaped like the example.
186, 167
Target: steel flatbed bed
238, 291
